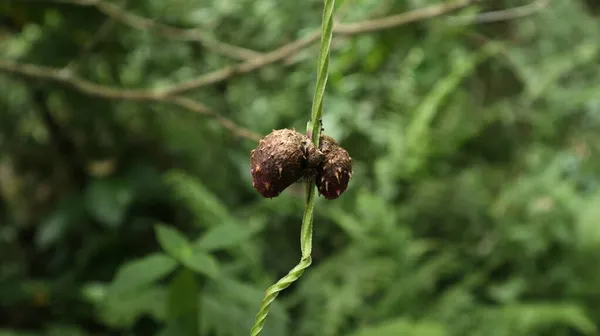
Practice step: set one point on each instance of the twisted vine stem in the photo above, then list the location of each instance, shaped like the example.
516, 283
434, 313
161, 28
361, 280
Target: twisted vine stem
314, 132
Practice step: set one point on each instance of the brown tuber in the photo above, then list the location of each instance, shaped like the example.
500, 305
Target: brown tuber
336, 170
282, 158
286, 156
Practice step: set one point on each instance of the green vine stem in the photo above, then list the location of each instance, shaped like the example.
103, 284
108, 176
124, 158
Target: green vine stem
313, 131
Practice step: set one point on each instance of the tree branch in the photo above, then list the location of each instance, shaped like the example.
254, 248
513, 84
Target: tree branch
292, 48
107, 92
392, 21
170, 94
280, 53
141, 23
504, 14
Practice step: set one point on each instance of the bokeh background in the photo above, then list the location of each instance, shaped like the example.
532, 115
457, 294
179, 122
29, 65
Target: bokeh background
126, 203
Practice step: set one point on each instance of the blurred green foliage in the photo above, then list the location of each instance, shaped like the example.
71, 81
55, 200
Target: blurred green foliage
473, 209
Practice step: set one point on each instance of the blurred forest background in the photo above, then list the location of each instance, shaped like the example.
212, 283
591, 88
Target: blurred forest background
126, 202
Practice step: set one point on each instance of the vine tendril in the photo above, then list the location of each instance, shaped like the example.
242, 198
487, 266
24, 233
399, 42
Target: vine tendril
314, 132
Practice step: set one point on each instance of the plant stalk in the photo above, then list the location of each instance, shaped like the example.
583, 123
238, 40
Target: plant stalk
314, 132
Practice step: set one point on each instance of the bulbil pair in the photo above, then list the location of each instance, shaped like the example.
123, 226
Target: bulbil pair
286, 156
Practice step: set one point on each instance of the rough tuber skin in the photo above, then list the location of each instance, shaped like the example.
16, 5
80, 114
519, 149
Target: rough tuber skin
336, 170
286, 156
281, 159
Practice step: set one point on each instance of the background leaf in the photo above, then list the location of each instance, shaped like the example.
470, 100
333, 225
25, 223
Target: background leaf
403, 327
183, 304
202, 262
226, 236
173, 242
142, 272
108, 200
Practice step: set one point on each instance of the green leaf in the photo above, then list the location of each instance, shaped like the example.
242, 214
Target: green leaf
418, 133
532, 316
108, 200
201, 262
209, 209
183, 304
52, 229
141, 272
67, 214
94, 293
403, 327
226, 236
173, 242
176, 245
124, 310
587, 227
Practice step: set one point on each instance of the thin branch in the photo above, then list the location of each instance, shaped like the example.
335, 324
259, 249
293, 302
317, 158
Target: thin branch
504, 14
231, 126
387, 22
141, 23
344, 31
92, 89
292, 48
245, 67
169, 94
